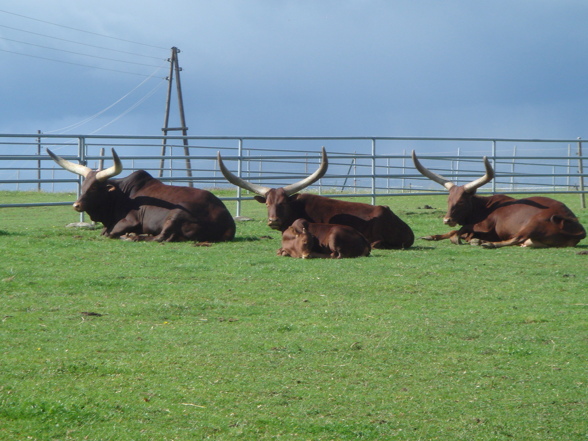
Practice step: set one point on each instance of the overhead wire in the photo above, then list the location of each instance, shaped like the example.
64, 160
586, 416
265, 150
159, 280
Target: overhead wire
103, 111
77, 53
96, 115
80, 43
75, 64
131, 108
82, 30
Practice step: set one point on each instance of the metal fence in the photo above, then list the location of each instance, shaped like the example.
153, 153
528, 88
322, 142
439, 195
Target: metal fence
358, 166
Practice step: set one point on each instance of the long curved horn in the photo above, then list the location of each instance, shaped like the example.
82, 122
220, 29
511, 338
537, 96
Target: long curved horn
110, 172
78, 169
429, 174
297, 186
262, 191
82, 170
474, 185
239, 182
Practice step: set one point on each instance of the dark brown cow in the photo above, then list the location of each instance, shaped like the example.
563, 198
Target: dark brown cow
500, 220
378, 224
143, 205
306, 239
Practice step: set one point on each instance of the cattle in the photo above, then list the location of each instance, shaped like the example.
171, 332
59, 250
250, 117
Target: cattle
308, 239
140, 207
378, 224
500, 220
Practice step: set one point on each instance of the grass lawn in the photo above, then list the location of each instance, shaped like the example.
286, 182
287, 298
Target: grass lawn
104, 339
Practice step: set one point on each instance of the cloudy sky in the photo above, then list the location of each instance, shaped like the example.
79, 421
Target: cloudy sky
452, 68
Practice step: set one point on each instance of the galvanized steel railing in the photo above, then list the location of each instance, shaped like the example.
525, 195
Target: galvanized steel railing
358, 166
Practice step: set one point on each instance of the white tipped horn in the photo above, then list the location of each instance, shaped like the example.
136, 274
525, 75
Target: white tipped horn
429, 174
239, 182
78, 169
289, 189
474, 185
110, 172
319, 173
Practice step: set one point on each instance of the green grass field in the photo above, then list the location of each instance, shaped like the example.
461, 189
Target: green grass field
103, 339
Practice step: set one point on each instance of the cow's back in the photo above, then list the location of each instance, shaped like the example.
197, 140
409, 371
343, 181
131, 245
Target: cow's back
545, 221
511, 214
193, 205
377, 223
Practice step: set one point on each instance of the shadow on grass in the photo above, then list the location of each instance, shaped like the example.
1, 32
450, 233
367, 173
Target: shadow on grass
420, 248
251, 238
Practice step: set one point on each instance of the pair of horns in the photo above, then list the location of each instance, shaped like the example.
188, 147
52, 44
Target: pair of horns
468, 188
82, 170
289, 189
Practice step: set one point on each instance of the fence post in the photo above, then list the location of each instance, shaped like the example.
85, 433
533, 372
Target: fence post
82, 159
494, 165
402, 185
101, 160
373, 171
239, 173
568, 169
455, 167
512, 169
581, 173
347, 177
39, 161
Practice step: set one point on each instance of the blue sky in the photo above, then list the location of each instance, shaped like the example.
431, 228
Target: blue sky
455, 68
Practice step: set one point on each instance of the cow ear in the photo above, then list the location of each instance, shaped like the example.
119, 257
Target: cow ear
260, 199
110, 188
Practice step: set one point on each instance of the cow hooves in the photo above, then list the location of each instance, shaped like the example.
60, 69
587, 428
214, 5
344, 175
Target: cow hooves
476, 242
427, 238
488, 245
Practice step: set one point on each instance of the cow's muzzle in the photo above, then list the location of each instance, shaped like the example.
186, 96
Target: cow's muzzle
449, 221
78, 207
274, 224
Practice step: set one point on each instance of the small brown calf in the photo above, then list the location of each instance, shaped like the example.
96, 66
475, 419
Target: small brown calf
314, 240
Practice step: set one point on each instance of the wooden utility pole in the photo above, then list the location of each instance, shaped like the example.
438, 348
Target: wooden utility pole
174, 68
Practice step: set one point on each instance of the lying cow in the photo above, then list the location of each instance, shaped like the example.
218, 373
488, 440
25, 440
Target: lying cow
307, 240
284, 205
150, 209
500, 220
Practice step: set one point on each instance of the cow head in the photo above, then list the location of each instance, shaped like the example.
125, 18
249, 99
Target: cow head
301, 241
459, 203
279, 201
95, 188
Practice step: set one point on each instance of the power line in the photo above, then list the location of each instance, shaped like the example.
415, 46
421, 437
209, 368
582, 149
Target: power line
77, 53
96, 115
76, 64
82, 30
125, 112
133, 107
82, 44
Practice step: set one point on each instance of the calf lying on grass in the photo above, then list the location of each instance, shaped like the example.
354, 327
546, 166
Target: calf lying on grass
309, 240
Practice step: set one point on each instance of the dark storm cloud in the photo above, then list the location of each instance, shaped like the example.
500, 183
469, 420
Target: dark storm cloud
407, 68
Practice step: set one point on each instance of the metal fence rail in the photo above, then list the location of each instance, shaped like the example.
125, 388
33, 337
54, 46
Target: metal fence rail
358, 166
